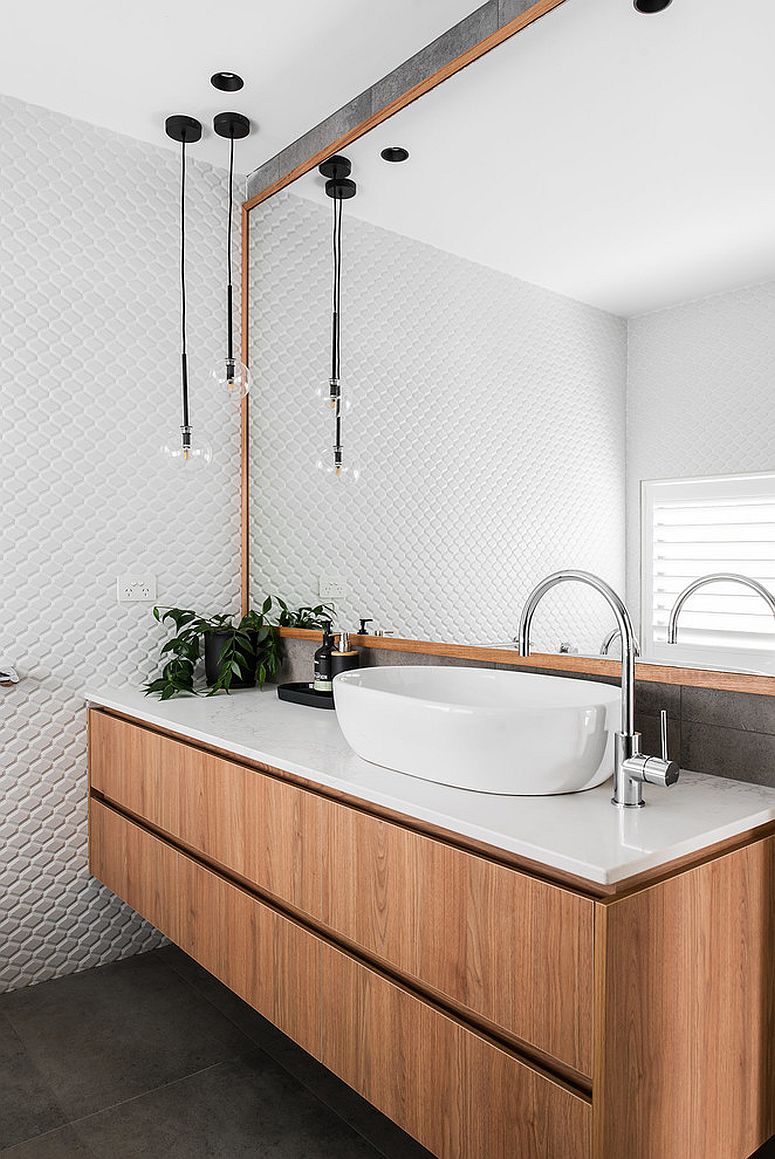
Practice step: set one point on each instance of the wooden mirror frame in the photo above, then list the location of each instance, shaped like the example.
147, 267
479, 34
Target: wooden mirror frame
526, 13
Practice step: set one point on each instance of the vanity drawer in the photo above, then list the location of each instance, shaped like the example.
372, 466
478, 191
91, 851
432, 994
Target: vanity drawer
511, 949
460, 1094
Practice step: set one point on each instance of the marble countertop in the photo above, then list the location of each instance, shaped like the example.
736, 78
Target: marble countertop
578, 833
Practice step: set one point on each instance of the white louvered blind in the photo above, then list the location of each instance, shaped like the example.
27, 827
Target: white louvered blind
692, 527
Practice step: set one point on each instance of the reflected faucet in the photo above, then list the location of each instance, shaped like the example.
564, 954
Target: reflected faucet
614, 634
716, 577
632, 768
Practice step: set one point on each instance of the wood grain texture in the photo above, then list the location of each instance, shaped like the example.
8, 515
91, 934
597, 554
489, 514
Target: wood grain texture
685, 1027
550, 661
512, 949
459, 1094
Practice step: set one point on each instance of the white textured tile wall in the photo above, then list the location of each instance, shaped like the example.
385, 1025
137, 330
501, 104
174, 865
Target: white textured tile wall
488, 421
700, 398
89, 386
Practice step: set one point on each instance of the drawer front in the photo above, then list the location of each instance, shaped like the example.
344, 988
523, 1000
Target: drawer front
511, 949
462, 1096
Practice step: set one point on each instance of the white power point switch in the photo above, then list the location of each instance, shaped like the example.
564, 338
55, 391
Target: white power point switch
131, 589
330, 588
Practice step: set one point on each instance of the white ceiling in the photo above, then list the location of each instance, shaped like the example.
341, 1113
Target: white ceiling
621, 159
127, 65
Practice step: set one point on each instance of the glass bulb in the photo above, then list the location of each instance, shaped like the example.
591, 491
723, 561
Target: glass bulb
343, 472
328, 400
192, 458
234, 377
327, 394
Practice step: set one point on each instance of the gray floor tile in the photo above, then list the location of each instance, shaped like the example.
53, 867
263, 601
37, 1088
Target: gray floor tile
388, 1139
62, 1144
27, 1103
250, 1107
109, 1034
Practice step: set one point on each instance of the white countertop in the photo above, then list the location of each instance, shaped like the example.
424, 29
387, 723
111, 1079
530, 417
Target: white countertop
579, 833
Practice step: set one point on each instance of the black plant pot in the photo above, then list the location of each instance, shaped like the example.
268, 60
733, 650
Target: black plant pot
214, 645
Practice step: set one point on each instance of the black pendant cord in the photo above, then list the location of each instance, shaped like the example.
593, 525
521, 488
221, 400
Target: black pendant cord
229, 286
335, 298
337, 352
186, 427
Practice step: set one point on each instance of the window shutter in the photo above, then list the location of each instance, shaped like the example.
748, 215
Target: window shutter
692, 527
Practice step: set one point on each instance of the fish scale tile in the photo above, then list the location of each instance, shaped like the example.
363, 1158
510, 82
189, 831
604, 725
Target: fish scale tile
89, 389
453, 370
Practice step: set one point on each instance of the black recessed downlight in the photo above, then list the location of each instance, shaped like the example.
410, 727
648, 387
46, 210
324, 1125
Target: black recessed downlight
397, 153
650, 6
227, 82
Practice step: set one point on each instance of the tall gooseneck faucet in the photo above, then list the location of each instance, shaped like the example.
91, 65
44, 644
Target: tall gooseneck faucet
632, 767
716, 577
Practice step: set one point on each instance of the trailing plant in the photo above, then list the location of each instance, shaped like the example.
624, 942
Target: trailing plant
251, 652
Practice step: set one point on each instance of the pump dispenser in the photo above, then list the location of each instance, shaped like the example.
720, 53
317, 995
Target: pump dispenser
344, 657
323, 673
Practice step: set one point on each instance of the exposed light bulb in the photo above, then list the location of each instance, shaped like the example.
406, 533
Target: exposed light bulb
234, 377
331, 394
338, 471
187, 455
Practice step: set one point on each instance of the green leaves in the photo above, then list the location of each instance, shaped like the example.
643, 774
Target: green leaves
253, 649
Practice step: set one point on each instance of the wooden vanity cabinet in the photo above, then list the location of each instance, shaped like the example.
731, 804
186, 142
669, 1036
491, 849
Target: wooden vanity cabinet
491, 1013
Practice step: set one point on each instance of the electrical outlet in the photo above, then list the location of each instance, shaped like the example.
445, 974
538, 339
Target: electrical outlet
130, 589
330, 588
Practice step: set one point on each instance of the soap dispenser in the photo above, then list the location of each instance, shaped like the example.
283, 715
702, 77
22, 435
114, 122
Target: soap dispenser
344, 657
323, 674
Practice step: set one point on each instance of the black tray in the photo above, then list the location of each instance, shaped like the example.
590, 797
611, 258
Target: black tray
304, 693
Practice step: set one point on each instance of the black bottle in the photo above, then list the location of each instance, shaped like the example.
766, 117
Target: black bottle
323, 675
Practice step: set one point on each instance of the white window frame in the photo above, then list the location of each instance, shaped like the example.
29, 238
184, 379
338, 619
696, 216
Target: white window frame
694, 655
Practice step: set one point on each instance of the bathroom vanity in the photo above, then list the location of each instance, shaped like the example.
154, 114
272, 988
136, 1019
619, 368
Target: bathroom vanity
506, 978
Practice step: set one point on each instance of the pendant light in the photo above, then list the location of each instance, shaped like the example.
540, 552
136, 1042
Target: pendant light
231, 373
339, 188
186, 131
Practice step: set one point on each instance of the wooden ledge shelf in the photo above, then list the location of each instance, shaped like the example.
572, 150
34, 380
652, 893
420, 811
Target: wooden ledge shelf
551, 661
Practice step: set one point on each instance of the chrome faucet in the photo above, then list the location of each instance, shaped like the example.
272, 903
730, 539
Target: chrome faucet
614, 634
632, 768
716, 577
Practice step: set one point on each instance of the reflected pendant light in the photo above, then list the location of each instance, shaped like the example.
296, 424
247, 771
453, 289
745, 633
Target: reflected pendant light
339, 188
231, 373
186, 131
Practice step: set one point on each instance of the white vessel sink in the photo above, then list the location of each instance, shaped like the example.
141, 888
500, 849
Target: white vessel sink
492, 731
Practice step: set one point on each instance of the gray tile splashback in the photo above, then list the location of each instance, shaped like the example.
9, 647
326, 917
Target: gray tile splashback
726, 734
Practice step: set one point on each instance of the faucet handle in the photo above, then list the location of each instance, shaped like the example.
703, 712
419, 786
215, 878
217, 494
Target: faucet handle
663, 733
655, 770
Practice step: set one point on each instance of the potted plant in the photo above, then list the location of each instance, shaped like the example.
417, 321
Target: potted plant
236, 655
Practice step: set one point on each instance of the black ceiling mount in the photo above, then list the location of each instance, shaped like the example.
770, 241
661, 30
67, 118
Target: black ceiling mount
184, 129
650, 6
233, 125
395, 154
336, 167
341, 187
227, 82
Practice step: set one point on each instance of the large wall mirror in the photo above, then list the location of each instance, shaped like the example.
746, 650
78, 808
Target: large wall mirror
557, 346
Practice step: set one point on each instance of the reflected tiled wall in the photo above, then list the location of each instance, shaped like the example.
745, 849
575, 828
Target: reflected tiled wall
488, 424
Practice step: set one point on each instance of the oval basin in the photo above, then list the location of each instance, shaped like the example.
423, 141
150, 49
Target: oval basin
515, 733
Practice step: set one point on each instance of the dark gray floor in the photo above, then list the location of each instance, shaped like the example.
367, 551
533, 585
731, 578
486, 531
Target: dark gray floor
151, 1057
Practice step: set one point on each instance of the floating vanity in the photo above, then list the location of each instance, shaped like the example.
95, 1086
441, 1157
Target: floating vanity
505, 977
